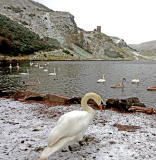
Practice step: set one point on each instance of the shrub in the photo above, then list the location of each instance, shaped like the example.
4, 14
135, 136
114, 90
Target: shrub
21, 40
5, 45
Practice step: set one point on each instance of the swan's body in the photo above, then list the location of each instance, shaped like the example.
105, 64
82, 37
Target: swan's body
71, 126
40, 66
36, 65
25, 73
136, 80
52, 73
118, 85
101, 80
45, 70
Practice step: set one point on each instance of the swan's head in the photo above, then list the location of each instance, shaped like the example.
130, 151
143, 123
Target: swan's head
97, 98
99, 101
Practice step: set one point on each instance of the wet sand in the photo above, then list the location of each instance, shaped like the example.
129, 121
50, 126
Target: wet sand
24, 128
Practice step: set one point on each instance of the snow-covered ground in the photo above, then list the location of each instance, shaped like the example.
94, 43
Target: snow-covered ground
24, 128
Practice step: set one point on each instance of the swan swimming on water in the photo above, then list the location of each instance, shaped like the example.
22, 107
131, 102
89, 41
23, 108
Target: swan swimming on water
52, 73
101, 80
17, 66
25, 73
31, 64
118, 85
10, 66
71, 126
136, 80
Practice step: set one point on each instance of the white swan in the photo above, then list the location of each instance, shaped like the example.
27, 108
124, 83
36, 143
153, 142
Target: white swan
25, 73
101, 80
17, 66
36, 65
45, 70
10, 66
71, 126
31, 64
41, 67
136, 80
52, 73
118, 85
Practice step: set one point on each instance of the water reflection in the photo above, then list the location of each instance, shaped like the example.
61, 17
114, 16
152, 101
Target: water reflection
77, 78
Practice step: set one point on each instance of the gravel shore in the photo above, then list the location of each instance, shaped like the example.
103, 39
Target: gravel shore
111, 136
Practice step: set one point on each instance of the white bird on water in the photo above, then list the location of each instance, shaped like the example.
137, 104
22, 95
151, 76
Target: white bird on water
25, 73
10, 66
136, 80
17, 66
31, 64
101, 80
71, 126
52, 73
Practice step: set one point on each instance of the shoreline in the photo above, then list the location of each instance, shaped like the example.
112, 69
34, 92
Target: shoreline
129, 105
111, 135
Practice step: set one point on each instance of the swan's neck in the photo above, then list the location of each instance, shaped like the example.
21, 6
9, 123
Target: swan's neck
137, 76
85, 105
122, 83
103, 77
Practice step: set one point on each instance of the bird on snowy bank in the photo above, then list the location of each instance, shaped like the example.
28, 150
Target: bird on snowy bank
70, 127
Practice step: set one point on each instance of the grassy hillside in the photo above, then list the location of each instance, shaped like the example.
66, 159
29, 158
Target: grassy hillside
15, 39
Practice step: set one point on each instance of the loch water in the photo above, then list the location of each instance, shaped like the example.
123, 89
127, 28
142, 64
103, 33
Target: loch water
75, 78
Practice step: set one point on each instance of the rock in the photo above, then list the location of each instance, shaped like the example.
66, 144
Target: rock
6, 94
25, 95
142, 109
129, 128
123, 104
57, 100
36, 98
74, 100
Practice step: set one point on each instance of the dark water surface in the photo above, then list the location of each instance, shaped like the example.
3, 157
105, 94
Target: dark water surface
78, 77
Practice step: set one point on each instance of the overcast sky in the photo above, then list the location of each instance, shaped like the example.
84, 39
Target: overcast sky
132, 20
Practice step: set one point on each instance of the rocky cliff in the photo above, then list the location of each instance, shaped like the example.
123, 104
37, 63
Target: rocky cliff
39, 19
76, 43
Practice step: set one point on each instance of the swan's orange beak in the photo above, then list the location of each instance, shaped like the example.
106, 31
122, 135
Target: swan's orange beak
101, 105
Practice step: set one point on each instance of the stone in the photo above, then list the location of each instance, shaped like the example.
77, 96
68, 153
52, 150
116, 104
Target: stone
123, 104
23, 95
54, 99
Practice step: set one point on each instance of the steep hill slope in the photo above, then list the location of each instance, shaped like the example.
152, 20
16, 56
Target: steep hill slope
16, 39
146, 48
62, 27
